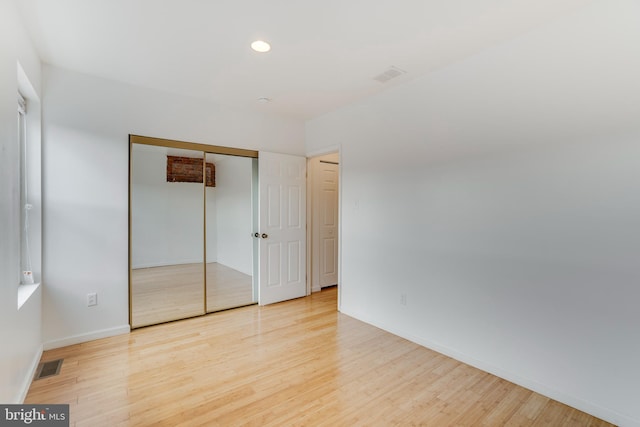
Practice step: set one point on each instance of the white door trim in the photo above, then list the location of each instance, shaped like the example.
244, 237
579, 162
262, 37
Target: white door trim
328, 150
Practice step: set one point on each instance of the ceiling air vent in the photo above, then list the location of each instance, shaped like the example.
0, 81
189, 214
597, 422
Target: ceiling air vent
389, 74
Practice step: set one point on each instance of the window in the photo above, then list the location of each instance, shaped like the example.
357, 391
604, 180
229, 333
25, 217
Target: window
27, 165
25, 205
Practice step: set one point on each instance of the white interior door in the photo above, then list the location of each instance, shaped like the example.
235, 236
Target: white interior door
327, 223
282, 223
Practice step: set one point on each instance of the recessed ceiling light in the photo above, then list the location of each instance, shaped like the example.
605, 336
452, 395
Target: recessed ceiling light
264, 100
260, 46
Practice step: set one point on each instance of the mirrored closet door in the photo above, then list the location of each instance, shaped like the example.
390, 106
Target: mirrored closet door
167, 229
192, 215
229, 207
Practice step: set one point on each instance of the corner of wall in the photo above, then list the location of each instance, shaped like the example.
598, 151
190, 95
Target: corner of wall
28, 378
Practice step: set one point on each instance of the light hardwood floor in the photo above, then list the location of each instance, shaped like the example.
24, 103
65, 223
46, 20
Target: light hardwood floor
162, 294
297, 363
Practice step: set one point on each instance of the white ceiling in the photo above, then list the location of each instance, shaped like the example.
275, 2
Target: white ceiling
324, 54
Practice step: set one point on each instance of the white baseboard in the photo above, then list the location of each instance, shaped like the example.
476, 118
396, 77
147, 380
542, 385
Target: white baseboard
26, 382
582, 405
90, 336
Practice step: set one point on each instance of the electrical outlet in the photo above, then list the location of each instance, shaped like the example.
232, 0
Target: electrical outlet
403, 299
92, 299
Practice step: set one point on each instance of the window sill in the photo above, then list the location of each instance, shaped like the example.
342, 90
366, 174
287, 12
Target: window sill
25, 292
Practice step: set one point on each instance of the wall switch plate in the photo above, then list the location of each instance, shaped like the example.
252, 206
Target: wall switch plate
92, 299
403, 299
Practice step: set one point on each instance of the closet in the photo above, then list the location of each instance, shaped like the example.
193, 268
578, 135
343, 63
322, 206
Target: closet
192, 216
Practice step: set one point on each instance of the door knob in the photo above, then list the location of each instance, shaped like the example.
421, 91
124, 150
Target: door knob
256, 235
264, 236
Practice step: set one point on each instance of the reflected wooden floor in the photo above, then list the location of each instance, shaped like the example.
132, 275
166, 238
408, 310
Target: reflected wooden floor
162, 294
295, 363
227, 288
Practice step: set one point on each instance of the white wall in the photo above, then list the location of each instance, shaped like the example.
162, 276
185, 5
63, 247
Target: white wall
234, 213
20, 329
85, 159
501, 196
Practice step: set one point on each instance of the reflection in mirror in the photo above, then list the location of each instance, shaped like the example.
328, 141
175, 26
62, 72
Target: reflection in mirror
229, 233
167, 234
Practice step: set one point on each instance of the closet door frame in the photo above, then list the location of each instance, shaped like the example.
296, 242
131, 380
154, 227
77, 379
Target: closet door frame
204, 148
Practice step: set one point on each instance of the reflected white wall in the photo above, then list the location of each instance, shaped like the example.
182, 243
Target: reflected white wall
234, 213
166, 217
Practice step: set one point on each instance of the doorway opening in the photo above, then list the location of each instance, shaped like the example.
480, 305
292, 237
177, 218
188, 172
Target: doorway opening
323, 217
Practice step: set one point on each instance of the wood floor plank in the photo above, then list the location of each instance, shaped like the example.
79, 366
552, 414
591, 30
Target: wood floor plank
298, 363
